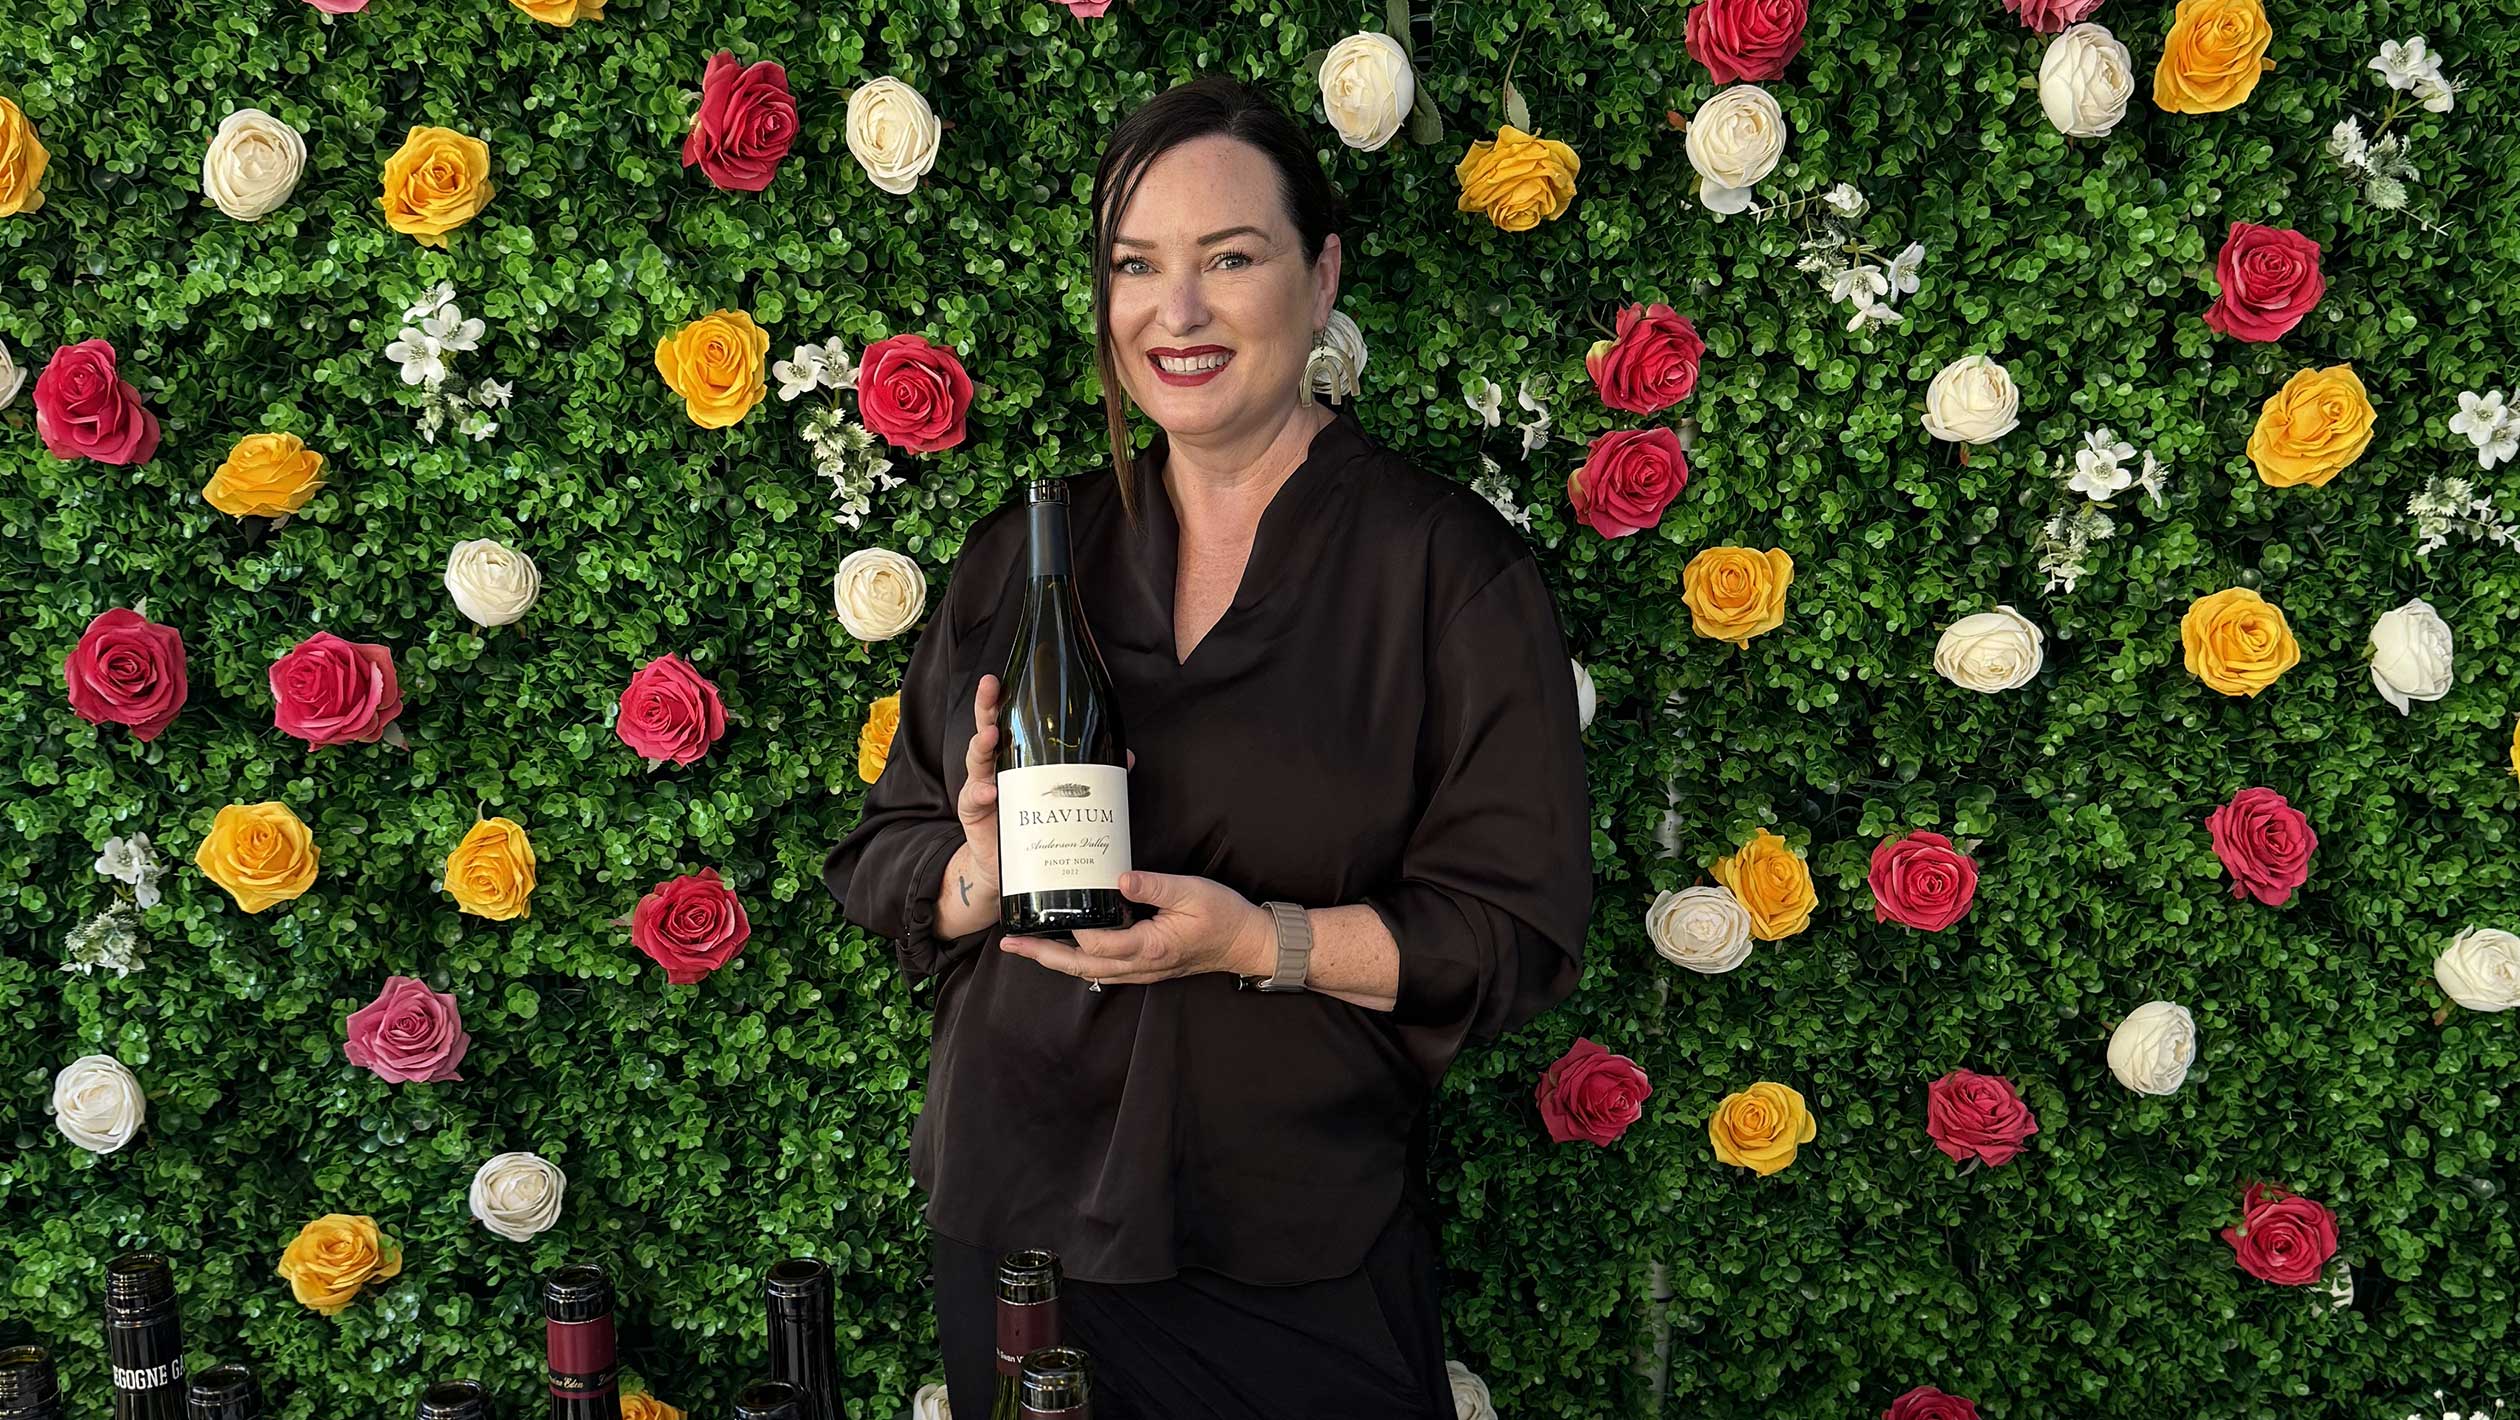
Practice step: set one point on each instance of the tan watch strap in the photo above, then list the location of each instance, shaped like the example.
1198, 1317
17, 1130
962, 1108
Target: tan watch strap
1294, 947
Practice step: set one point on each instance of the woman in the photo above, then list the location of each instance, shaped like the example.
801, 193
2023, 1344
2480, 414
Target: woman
1344, 689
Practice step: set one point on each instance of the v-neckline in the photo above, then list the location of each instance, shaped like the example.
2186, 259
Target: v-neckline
1163, 524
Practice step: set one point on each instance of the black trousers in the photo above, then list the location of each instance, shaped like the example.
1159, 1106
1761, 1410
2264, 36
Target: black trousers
1200, 1346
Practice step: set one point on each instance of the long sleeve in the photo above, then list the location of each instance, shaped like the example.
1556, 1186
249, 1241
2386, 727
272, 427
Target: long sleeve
1494, 889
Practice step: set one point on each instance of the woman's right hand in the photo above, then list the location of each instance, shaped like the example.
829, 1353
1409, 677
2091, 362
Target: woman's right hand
977, 804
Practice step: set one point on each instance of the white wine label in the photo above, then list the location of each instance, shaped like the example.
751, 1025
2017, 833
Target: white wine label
1062, 827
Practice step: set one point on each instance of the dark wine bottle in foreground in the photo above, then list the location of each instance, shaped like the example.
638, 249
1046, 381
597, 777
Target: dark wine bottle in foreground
1056, 1385
454, 1400
1062, 758
584, 1373
770, 1400
30, 1388
1027, 1321
144, 1338
225, 1392
797, 1295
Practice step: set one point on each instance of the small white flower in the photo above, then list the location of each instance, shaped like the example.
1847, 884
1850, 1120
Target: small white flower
479, 425
97, 1103
2154, 478
1845, 200
2402, 65
2436, 92
1903, 268
132, 860
491, 394
839, 371
1535, 433
2489, 424
2099, 470
2346, 143
518, 1195
1870, 312
1860, 284
447, 327
429, 301
423, 361
1485, 397
800, 373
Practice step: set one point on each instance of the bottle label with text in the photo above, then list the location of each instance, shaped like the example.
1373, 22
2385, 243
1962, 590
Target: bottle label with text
1062, 828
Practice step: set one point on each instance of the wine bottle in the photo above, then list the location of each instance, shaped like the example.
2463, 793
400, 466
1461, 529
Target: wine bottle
454, 1400
30, 1388
797, 1294
584, 1373
1027, 1321
1056, 1385
771, 1400
144, 1337
1062, 759
225, 1392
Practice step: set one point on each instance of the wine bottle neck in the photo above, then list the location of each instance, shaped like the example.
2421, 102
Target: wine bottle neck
1047, 528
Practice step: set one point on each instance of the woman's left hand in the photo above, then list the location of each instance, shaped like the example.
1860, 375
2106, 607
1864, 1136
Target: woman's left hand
1200, 925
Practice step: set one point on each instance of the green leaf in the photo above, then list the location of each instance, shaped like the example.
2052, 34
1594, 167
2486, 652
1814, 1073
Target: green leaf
1516, 112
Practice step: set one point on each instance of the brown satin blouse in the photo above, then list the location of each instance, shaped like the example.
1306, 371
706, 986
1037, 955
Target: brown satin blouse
1385, 714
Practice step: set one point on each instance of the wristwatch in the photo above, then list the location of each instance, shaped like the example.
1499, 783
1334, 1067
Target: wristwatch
1294, 951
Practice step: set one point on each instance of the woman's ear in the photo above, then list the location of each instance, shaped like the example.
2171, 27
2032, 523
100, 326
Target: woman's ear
1326, 281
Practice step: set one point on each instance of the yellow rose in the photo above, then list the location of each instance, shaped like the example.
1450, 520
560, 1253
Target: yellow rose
715, 364
260, 853
639, 1405
435, 183
1734, 593
2213, 56
333, 1257
2310, 429
265, 476
491, 873
2515, 749
883, 719
1773, 883
563, 13
1517, 179
22, 159
2237, 641
1761, 1128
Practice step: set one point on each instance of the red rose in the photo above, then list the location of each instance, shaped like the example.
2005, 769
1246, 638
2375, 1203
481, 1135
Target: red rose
690, 926
670, 711
2052, 16
85, 409
2270, 280
1921, 881
2266, 844
1746, 39
746, 124
1927, 1403
1982, 1116
1652, 362
2282, 1238
127, 670
1629, 476
1591, 1094
330, 691
913, 393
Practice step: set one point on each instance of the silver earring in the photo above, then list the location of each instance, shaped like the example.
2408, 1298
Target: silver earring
1321, 364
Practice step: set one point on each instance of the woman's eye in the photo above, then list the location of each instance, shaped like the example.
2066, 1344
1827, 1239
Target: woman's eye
1234, 256
1125, 263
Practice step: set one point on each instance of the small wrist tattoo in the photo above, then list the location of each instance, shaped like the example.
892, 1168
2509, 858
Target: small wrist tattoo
965, 884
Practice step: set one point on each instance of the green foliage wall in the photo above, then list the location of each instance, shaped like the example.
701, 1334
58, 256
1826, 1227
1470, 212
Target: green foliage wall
709, 1129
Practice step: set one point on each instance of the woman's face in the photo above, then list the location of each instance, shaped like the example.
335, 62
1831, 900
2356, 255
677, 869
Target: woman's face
1207, 267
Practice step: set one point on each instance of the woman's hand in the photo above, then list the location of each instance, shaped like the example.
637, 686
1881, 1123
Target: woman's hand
1200, 925
976, 805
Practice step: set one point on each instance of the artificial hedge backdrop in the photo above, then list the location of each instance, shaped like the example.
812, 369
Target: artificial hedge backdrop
709, 1129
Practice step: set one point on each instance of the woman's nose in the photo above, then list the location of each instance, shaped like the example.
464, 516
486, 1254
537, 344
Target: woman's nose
1185, 307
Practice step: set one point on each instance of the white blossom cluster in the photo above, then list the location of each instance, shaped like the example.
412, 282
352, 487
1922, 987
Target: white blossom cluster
1852, 271
2489, 423
2098, 471
2452, 505
434, 329
843, 450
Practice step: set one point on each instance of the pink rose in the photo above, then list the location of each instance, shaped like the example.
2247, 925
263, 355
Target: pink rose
1591, 1094
328, 691
339, 7
1927, 1403
2265, 843
1746, 39
2052, 16
84, 409
128, 670
916, 395
2282, 1238
1651, 361
746, 124
1629, 476
690, 926
408, 1033
2270, 280
1085, 9
1969, 1115
670, 711
1921, 881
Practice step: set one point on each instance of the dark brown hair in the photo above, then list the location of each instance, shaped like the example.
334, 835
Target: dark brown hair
1214, 104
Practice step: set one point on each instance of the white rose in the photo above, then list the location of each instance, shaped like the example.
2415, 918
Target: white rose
878, 593
1990, 651
929, 1403
252, 164
97, 1103
2481, 969
1342, 370
492, 583
1470, 1394
892, 133
1705, 929
2153, 1047
1733, 142
2410, 655
1367, 89
2085, 79
1583, 694
12, 377
1972, 401
518, 1195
